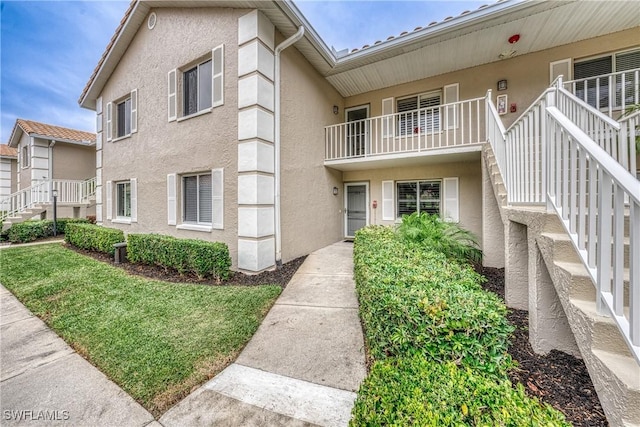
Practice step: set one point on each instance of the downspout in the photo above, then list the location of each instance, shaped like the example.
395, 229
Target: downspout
278, 234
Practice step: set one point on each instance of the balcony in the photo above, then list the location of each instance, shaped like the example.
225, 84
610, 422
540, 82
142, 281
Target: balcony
455, 130
610, 93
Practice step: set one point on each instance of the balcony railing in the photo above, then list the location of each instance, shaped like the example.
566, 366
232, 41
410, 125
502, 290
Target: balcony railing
608, 92
446, 126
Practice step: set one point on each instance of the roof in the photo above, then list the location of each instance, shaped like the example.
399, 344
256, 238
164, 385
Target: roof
477, 37
6, 151
44, 130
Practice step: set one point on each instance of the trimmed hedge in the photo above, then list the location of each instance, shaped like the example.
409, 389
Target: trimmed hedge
416, 301
438, 341
29, 231
184, 255
93, 237
414, 391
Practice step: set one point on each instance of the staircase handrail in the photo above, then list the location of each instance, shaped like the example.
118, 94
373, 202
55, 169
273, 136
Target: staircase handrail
592, 209
24, 199
496, 135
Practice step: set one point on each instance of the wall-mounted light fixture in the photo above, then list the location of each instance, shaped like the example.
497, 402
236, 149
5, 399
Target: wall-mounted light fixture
502, 84
335, 191
336, 110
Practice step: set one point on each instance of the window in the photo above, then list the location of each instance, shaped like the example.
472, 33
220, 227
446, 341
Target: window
197, 85
596, 91
419, 114
418, 196
123, 118
197, 200
194, 89
123, 200
25, 156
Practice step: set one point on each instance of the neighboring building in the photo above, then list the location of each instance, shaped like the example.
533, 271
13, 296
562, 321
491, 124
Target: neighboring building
234, 122
8, 172
49, 155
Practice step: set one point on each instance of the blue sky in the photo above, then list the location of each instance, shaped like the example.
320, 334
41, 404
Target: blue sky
48, 49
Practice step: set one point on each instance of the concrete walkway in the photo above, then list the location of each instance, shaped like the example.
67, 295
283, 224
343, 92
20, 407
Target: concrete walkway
44, 382
303, 365
301, 368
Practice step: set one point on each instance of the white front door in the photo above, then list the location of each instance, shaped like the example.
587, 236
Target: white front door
356, 212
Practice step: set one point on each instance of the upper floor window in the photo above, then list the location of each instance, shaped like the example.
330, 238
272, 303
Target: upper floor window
25, 156
197, 88
596, 87
123, 118
419, 114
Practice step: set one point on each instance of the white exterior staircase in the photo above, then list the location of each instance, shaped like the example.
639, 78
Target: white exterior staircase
36, 199
568, 172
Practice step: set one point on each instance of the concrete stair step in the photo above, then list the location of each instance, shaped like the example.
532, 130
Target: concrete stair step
565, 251
601, 332
622, 373
582, 287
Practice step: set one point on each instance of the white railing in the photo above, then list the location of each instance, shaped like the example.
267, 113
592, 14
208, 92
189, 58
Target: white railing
74, 191
25, 199
590, 191
496, 133
630, 134
69, 191
449, 125
525, 178
608, 92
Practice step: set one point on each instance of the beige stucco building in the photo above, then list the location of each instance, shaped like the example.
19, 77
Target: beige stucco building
50, 156
233, 121
206, 131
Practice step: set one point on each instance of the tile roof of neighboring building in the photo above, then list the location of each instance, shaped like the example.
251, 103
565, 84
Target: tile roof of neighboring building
30, 127
6, 151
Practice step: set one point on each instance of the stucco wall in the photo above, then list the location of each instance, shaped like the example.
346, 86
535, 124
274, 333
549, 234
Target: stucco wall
311, 214
470, 191
73, 161
23, 174
7, 177
197, 144
527, 75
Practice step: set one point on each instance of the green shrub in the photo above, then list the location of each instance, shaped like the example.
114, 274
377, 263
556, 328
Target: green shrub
416, 301
414, 391
447, 237
93, 237
184, 255
29, 231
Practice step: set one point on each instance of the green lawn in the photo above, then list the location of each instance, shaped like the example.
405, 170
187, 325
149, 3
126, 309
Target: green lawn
156, 340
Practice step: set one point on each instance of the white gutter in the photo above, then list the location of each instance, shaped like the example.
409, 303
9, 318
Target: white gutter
276, 140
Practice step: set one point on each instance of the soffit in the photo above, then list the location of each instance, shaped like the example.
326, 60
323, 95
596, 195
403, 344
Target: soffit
540, 25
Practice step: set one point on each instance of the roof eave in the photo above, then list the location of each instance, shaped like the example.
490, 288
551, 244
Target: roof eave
88, 101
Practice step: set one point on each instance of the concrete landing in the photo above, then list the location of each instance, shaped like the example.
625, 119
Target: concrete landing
303, 365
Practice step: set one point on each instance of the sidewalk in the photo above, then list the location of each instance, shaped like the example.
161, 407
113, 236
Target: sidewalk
301, 368
303, 365
43, 381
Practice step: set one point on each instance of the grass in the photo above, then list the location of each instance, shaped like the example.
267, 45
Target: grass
156, 340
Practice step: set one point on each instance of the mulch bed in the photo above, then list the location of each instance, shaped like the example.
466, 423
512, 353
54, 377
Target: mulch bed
280, 277
559, 379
